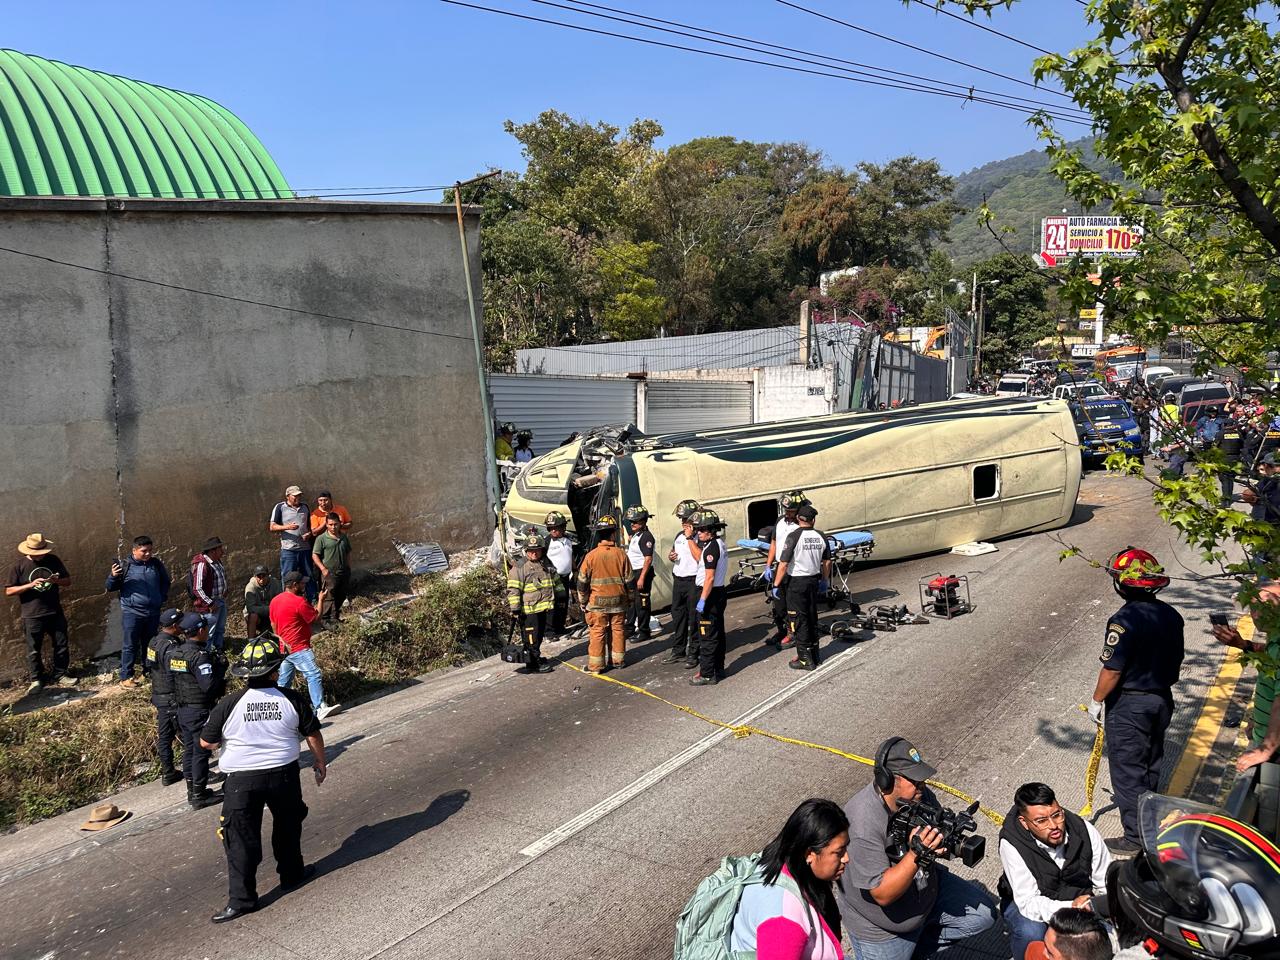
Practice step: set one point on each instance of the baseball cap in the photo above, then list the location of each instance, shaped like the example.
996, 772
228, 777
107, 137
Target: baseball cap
261, 569
292, 490
171, 616
191, 623
904, 760
1269, 459
807, 512
294, 576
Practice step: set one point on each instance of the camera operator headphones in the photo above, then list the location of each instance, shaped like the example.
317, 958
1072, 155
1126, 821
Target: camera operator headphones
884, 780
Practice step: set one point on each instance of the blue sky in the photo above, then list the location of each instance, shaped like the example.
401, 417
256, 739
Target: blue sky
383, 93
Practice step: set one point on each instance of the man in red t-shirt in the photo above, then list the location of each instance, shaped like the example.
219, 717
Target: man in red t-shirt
291, 619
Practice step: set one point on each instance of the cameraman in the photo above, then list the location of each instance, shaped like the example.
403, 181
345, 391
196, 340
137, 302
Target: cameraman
902, 911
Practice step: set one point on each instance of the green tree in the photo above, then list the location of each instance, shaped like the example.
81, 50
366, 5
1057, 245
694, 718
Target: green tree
1016, 314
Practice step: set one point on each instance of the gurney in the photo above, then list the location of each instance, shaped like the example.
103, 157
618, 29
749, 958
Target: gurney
847, 548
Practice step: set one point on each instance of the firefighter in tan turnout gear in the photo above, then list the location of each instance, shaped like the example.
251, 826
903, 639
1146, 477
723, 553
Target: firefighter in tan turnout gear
532, 586
603, 593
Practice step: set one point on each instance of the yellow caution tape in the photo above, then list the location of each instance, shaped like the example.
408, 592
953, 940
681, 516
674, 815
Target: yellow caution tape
741, 731
1091, 770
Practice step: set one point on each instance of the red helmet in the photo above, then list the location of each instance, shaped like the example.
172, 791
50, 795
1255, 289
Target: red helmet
1138, 569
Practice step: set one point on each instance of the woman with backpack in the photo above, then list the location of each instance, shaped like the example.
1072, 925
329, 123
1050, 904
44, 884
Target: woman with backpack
791, 913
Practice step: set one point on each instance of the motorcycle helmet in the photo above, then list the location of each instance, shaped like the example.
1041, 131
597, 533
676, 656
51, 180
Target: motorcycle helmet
686, 509
793, 500
1137, 569
636, 514
555, 519
1205, 886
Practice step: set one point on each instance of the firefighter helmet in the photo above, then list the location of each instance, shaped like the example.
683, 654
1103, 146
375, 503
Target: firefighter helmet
507, 427
707, 520
686, 509
1137, 569
636, 514
793, 500
1205, 886
534, 542
555, 519
607, 524
259, 657
524, 436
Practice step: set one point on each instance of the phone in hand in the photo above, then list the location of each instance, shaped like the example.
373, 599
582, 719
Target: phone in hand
1218, 619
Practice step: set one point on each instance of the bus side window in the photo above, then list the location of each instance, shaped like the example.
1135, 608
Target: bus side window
760, 514
986, 482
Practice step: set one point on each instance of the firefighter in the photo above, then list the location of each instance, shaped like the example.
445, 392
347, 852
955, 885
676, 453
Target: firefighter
1141, 659
198, 673
684, 592
560, 554
604, 597
804, 564
790, 504
162, 693
640, 556
712, 555
532, 586
258, 729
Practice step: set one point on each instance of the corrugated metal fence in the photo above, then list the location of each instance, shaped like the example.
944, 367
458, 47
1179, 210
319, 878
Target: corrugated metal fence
678, 405
554, 407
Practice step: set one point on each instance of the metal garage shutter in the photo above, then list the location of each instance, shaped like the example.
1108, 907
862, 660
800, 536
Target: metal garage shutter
675, 406
554, 407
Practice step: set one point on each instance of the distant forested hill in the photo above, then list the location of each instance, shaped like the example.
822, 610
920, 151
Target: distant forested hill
1020, 191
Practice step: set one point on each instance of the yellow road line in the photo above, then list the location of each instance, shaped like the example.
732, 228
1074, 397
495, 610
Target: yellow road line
1214, 710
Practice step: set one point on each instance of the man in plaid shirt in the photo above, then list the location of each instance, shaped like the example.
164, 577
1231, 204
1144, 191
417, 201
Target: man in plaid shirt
208, 588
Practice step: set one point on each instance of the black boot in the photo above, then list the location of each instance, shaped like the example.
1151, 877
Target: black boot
170, 776
200, 797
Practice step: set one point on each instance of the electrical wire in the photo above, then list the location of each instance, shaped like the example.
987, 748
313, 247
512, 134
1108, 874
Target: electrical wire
230, 297
918, 49
758, 46
982, 26
778, 66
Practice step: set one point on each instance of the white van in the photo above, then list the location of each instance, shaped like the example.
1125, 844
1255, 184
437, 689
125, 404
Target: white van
1080, 390
1014, 385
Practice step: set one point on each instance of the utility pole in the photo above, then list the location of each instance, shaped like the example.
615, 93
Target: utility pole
478, 336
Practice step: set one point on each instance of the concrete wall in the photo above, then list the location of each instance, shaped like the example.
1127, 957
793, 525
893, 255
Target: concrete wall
786, 393
129, 407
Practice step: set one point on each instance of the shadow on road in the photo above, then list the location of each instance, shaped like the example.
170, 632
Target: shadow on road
374, 839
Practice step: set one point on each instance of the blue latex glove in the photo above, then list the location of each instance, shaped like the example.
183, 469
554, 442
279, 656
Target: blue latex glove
768, 573
702, 605
823, 586
775, 593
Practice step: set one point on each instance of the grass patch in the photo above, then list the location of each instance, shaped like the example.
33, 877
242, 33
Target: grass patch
57, 759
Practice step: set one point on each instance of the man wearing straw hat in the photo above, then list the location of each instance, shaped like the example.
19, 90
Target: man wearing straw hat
35, 579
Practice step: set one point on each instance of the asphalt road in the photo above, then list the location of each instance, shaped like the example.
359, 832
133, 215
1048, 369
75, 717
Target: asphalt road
488, 814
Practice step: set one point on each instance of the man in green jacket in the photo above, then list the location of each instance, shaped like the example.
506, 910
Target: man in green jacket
532, 586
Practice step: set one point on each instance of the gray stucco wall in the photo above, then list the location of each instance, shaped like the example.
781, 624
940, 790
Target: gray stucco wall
128, 407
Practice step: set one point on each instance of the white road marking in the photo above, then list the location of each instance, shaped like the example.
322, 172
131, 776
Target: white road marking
606, 806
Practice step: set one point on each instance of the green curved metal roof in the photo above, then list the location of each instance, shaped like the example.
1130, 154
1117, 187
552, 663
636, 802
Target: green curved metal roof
71, 131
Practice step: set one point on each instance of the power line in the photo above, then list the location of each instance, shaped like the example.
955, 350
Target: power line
232, 298
767, 63
925, 50
982, 26
756, 46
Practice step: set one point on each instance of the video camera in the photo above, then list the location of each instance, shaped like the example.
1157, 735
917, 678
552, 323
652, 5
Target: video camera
954, 827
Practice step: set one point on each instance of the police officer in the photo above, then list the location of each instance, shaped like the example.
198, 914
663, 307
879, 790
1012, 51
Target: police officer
684, 591
640, 554
804, 563
1231, 443
259, 728
560, 555
1141, 658
712, 557
162, 692
198, 674
786, 524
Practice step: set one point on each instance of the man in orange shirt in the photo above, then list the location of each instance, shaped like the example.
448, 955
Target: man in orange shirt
324, 507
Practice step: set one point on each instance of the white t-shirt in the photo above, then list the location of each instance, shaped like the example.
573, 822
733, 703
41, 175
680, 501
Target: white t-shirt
685, 565
714, 554
560, 553
781, 530
259, 728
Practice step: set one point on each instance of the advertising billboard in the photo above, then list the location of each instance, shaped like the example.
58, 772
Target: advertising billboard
1064, 237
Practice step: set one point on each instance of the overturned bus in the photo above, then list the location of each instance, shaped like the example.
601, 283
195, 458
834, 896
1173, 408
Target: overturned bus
921, 479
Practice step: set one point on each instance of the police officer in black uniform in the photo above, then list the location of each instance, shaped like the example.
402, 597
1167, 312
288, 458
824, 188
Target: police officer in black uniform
1141, 658
259, 728
199, 676
804, 564
162, 692
1231, 444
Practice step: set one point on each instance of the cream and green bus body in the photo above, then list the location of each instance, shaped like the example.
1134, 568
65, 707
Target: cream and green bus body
921, 479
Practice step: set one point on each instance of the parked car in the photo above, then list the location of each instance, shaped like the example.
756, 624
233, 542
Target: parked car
1079, 390
1105, 425
1196, 398
1013, 385
1175, 384
1154, 375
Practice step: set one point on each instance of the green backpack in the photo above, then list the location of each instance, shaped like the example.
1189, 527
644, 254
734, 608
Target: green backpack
706, 922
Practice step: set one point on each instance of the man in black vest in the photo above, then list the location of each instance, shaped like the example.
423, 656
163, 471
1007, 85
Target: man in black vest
198, 673
162, 692
1052, 859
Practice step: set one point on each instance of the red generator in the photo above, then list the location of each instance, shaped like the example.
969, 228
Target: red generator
945, 596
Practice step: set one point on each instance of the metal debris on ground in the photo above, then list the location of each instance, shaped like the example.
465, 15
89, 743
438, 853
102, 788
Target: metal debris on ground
422, 558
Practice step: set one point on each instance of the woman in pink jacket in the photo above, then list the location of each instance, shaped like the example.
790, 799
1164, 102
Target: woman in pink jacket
792, 914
